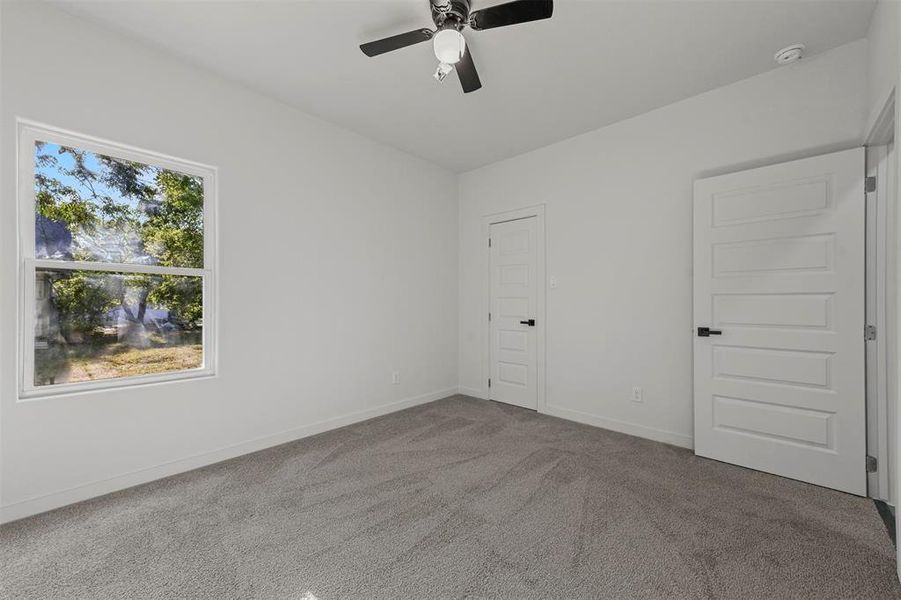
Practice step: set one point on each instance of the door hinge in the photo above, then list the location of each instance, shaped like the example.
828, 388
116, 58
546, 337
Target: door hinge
870, 184
869, 333
489, 382
872, 464
489, 317
489, 242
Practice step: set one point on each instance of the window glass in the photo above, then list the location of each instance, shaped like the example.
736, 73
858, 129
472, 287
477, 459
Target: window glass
93, 207
92, 325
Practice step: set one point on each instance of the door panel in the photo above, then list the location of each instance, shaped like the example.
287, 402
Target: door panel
514, 289
779, 269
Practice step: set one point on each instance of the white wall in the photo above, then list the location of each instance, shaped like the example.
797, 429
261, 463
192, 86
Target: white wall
619, 233
320, 294
882, 56
897, 374
884, 36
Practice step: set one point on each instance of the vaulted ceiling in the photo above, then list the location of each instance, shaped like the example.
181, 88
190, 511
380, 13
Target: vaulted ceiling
594, 63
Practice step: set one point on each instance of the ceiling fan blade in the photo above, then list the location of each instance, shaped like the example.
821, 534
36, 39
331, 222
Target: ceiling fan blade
511, 13
396, 42
466, 71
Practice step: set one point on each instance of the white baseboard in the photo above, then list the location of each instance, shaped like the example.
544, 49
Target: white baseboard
651, 433
468, 391
39, 504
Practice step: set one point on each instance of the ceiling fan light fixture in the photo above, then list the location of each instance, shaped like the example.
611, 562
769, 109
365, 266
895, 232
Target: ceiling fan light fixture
449, 46
451, 17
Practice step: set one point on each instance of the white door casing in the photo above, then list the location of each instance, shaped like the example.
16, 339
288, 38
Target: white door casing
513, 268
880, 404
779, 269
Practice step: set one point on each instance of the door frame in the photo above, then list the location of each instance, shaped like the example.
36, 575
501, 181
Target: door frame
882, 309
538, 212
880, 405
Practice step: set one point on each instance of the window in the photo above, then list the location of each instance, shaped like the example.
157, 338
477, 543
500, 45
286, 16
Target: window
116, 264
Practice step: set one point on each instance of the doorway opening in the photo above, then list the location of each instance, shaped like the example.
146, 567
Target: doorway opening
883, 299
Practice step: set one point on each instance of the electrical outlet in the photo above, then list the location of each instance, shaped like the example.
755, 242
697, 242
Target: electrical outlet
395, 377
637, 395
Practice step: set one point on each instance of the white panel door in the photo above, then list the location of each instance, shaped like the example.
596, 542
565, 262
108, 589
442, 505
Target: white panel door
514, 295
779, 271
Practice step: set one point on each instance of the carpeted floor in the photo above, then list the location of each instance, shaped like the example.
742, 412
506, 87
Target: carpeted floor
457, 498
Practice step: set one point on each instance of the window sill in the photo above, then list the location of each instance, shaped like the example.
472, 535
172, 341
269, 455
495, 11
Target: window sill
110, 385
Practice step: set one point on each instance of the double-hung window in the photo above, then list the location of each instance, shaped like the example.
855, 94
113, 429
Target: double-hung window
116, 264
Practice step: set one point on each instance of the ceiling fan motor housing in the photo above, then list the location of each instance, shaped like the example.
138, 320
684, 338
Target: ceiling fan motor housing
450, 13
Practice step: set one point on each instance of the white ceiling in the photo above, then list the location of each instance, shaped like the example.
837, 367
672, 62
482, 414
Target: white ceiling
594, 63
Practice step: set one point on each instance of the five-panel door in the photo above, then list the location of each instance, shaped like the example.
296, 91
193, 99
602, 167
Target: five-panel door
513, 306
779, 271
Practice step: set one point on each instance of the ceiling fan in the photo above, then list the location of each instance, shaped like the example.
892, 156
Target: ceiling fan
450, 18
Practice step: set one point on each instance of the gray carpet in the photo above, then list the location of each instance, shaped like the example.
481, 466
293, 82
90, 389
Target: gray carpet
457, 498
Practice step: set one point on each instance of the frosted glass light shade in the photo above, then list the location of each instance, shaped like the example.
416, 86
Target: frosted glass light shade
449, 46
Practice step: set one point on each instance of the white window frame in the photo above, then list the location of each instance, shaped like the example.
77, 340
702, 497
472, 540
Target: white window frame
30, 132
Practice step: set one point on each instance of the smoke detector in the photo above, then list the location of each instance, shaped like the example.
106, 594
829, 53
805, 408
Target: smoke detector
790, 54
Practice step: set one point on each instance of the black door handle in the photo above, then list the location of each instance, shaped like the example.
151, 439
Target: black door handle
530, 322
707, 332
